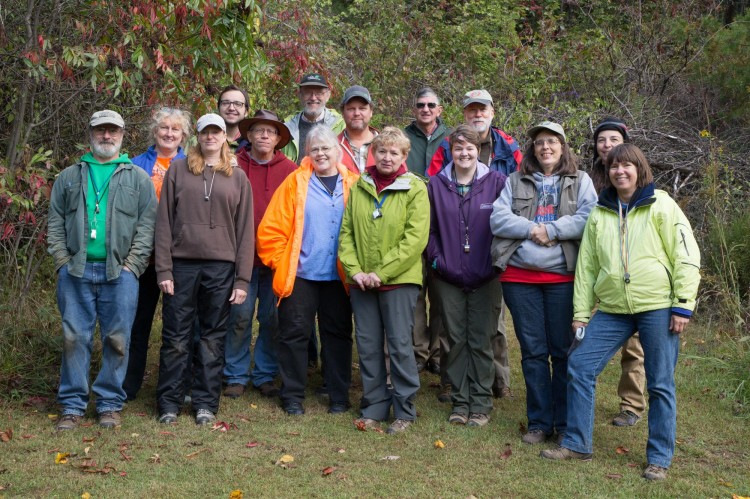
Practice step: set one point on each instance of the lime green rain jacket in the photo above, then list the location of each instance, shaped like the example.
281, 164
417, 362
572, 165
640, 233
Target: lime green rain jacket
653, 248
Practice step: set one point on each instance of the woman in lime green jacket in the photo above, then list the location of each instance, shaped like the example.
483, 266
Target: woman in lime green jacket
639, 260
383, 234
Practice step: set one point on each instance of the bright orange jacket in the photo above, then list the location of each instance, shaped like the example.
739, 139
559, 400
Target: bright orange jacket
279, 238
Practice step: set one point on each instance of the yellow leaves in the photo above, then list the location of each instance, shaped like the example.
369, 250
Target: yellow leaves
253, 406
52, 417
85, 495
735, 496
284, 461
705, 134
235, 494
439, 444
62, 457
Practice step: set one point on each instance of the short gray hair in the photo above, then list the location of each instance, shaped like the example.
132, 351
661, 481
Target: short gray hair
320, 133
177, 115
424, 92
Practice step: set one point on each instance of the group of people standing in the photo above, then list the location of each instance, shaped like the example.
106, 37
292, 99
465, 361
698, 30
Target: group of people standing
326, 217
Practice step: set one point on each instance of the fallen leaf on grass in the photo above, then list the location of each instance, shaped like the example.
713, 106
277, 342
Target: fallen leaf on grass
361, 426
250, 445
521, 427
378, 429
340, 450
235, 494
141, 414
284, 461
193, 454
88, 463
155, 459
622, 450
167, 433
328, 470
135, 435
679, 442
614, 476
123, 474
223, 427
507, 452
735, 496
28, 436
88, 440
293, 434
86, 451
390, 458
253, 406
725, 484
62, 457
7, 435
632, 465
52, 417
243, 419
125, 457
5, 486
439, 444
85, 495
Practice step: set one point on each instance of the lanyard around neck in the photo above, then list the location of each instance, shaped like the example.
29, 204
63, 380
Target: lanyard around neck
99, 193
624, 240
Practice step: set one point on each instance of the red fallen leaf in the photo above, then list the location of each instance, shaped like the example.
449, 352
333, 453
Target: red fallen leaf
193, 454
506, 453
614, 476
87, 440
632, 465
123, 474
361, 426
521, 427
622, 450
86, 425
53, 450
327, 471
220, 426
167, 433
28, 436
7, 435
123, 446
141, 414
378, 430
250, 445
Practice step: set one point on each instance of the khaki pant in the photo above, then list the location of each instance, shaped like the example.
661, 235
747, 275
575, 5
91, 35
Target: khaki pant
633, 377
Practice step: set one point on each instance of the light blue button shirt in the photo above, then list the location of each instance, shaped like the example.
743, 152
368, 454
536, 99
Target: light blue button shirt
320, 235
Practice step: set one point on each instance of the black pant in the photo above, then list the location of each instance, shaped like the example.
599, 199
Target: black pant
202, 288
296, 316
148, 298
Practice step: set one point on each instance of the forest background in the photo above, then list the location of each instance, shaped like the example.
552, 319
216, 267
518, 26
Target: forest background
677, 71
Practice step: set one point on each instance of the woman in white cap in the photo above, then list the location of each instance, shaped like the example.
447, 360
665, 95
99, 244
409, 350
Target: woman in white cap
204, 262
538, 222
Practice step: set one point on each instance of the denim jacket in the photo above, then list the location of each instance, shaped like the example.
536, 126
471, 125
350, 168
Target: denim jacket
131, 215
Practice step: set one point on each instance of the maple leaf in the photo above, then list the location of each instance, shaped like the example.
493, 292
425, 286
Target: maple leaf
439, 444
7, 435
328, 470
361, 426
235, 494
62, 457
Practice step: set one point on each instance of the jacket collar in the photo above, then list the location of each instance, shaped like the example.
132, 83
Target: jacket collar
641, 197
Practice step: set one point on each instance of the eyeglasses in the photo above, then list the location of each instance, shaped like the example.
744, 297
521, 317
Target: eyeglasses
431, 105
259, 132
323, 149
111, 129
230, 103
318, 92
550, 142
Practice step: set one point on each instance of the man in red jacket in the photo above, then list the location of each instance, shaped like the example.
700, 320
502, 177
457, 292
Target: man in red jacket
355, 140
266, 167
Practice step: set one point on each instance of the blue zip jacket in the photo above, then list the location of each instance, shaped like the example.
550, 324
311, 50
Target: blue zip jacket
148, 158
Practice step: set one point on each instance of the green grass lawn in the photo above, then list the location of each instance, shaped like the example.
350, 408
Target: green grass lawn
146, 459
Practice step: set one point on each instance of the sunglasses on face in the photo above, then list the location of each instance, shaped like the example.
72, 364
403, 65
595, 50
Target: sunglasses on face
431, 105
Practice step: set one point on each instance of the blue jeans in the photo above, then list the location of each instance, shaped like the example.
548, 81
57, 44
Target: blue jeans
240, 333
542, 314
83, 301
605, 335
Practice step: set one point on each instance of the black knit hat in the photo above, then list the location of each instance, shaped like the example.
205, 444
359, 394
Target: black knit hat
610, 123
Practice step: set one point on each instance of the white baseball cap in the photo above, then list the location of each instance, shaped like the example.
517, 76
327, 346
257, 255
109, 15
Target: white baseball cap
209, 120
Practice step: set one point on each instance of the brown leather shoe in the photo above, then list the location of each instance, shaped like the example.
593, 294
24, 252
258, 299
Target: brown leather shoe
68, 422
234, 390
110, 419
535, 436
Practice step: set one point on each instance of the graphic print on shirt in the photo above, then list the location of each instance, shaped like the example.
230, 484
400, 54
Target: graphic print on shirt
547, 196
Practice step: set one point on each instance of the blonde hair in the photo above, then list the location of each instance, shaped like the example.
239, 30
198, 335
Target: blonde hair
196, 163
178, 116
392, 136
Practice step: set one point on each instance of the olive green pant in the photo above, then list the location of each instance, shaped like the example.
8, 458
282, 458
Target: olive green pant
633, 377
470, 321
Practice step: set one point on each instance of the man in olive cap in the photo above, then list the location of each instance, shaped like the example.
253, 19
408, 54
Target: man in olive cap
100, 234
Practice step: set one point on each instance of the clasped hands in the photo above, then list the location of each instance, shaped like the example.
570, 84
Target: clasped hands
367, 281
539, 235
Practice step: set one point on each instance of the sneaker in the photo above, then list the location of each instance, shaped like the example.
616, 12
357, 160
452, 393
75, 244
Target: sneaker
68, 422
168, 418
267, 389
234, 390
458, 418
445, 393
294, 408
478, 419
626, 418
110, 419
561, 453
398, 426
366, 423
533, 437
654, 472
204, 417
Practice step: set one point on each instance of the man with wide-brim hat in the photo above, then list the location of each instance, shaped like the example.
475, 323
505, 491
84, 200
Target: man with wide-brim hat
266, 167
314, 92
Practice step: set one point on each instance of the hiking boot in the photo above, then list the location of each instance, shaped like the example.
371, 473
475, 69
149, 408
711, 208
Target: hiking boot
559, 438
294, 408
654, 472
533, 437
626, 418
366, 424
478, 419
562, 453
168, 418
458, 418
267, 389
110, 419
501, 392
445, 393
68, 422
234, 390
204, 417
398, 426
338, 407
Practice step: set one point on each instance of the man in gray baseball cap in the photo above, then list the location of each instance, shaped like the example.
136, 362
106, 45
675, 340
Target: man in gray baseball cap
100, 234
356, 108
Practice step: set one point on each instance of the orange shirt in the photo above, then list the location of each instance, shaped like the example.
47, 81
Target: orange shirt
157, 174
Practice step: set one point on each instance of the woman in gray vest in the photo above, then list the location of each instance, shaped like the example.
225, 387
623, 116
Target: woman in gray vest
538, 221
